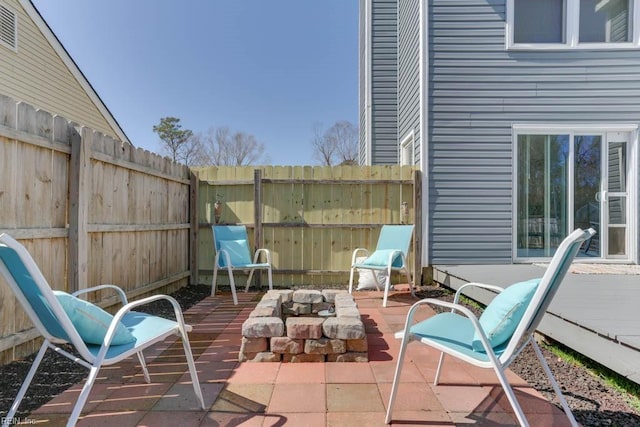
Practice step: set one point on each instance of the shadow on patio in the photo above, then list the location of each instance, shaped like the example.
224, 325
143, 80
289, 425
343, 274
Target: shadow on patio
309, 394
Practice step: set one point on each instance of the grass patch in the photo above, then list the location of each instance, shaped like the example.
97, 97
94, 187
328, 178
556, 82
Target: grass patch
471, 303
630, 389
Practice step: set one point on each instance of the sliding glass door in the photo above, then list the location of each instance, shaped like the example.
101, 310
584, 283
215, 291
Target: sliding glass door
543, 182
569, 180
588, 181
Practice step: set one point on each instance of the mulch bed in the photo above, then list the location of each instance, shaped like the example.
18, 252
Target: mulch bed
593, 402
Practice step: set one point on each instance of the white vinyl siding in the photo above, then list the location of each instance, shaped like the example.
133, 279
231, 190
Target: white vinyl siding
38, 76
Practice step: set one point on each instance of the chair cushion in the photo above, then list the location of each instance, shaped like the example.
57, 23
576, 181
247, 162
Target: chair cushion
381, 257
91, 321
238, 251
501, 317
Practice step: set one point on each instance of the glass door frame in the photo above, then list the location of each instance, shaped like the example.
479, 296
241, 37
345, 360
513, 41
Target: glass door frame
632, 190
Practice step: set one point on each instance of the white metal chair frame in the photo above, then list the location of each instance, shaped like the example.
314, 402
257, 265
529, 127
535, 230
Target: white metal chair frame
230, 267
92, 360
388, 267
523, 335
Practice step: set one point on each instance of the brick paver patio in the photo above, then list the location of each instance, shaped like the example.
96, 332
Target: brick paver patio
296, 394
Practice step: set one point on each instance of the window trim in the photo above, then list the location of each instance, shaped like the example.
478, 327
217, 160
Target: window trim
408, 144
571, 31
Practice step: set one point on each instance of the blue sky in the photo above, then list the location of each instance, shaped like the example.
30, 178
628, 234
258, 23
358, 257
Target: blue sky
273, 68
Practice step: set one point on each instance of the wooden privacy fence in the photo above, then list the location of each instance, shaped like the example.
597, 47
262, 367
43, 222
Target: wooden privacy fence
310, 218
90, 210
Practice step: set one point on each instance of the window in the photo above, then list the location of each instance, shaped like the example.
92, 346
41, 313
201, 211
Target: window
406, 150
8, 28
576, 24
538, 21
605, 21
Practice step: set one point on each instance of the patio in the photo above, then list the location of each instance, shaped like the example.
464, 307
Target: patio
309, 394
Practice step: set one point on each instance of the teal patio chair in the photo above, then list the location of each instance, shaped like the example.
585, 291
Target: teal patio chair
390, 255
232, 253
99, 338
505, 327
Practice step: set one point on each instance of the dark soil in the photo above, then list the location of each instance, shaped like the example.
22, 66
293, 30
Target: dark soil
593, 402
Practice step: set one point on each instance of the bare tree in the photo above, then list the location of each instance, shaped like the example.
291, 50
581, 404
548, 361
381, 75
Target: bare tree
195, 152
323, 149
226, 149
337, 145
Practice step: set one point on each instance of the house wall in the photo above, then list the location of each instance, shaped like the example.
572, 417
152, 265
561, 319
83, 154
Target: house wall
36, 74
478, 90
380, 127
409, 73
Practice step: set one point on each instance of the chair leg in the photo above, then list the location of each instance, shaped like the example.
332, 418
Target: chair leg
233, 286
351, 280
192, 368
145, 371
517, 409
84, 394
554, 384
215, 279
270, 276
26, 383
440, 362
396, 378
246, 289
411, 284
387, 285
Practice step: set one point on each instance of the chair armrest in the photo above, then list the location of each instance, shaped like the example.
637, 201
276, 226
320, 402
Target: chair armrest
393, 255
128, 307
119, 291
225, 254
497, 289
257, 255
454, 307
355, 254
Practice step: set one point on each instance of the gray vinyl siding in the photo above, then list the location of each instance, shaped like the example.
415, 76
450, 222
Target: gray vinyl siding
384, 77
478, 90
409, 72
362, 85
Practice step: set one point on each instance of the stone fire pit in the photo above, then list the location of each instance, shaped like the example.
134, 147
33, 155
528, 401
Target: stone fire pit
304, 326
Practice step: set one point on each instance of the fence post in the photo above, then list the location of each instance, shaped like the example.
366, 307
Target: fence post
257, 215
79, 185
417, 221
